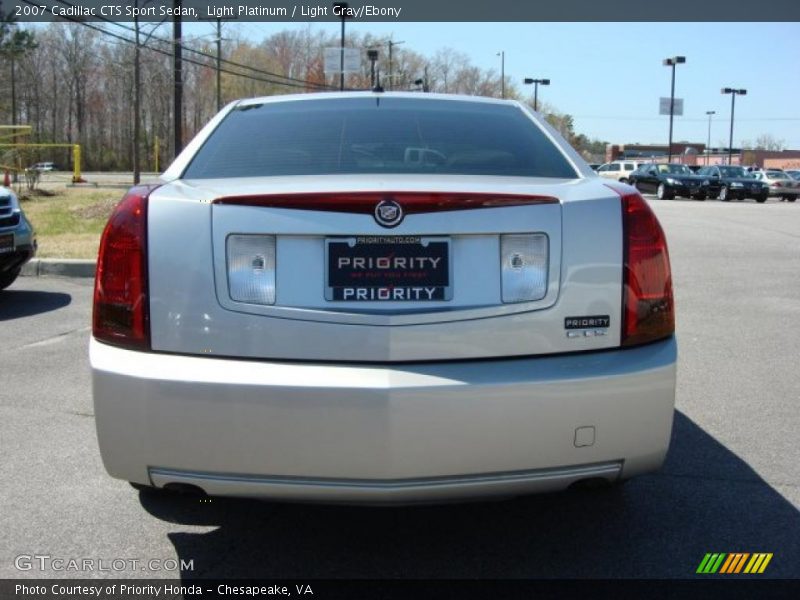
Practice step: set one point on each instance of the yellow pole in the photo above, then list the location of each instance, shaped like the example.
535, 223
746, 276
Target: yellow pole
76, 163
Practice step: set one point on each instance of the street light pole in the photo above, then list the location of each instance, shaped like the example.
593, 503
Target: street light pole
733, 92
372, 55
342, 7
177, 94
502, 55
708, 145
391, 45
536, 83
671, 62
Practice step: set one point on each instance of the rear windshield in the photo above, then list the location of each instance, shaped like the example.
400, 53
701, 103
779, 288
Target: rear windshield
377, 135
733, 172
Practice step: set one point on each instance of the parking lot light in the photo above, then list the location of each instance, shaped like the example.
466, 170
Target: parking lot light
671, 62
708, 145
536, 83
502, 55
733, 92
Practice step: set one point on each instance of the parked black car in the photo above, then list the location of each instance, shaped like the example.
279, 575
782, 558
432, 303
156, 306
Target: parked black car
727, 182
668, 180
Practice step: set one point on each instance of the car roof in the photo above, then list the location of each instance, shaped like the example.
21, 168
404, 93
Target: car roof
371, 94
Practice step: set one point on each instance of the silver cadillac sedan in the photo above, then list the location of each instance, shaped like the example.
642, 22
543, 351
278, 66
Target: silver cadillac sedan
382, 297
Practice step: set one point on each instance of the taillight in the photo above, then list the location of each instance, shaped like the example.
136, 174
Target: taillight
121, 315
648, 307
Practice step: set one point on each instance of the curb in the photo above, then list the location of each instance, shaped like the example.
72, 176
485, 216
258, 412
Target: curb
59, 267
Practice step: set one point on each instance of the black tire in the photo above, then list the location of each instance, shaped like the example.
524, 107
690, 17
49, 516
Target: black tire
724, 194
7, 278
792, 198
663, 193
761, 199
699, 196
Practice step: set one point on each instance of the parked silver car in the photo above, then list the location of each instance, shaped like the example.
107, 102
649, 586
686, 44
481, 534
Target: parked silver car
781, 184
382, 297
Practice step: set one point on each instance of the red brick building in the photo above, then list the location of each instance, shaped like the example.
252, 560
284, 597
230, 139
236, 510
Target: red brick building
694, 154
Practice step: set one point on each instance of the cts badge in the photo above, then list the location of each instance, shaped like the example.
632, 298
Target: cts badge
388, 213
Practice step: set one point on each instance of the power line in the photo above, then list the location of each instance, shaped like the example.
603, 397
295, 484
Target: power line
223, 60
291, 83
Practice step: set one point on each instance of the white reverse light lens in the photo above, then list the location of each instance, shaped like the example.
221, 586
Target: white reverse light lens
523, 262
251, 268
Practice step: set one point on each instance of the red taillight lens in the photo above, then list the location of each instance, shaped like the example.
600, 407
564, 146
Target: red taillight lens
648, 307
121, 315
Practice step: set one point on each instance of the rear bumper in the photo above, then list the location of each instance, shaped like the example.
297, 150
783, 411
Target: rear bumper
24, 245
781, 192
388, 433
10, 261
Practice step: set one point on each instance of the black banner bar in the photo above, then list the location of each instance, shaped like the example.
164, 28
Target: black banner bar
407, 10
716, 586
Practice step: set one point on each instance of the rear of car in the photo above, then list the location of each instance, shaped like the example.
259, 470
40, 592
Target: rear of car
382, 298
17, 238
780, 184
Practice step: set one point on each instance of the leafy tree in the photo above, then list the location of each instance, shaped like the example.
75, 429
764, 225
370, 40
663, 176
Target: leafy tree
15, 43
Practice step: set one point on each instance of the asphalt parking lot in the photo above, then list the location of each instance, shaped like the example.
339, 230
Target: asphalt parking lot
731, 482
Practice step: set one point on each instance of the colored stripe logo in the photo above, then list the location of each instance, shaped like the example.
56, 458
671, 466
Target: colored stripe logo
734, 562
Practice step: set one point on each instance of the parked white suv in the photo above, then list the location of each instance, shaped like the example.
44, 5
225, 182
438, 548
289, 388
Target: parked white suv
619, 170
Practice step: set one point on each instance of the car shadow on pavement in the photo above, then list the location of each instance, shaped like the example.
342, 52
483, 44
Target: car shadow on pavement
15, 304
705, 499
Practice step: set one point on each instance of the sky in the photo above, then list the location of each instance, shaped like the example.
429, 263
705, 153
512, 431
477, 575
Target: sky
610, 76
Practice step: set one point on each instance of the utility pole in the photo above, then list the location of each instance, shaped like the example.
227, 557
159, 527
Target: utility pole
219, 64
137, 133
391, 45
342, 8
178, 77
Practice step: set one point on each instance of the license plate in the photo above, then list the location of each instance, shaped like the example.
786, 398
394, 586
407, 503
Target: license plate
6, 243
388, 269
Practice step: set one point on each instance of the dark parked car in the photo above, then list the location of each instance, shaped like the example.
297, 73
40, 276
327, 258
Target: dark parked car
667, 181
727, 182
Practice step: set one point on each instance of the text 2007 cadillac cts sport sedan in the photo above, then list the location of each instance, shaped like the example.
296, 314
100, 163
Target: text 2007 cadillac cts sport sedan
379, 297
